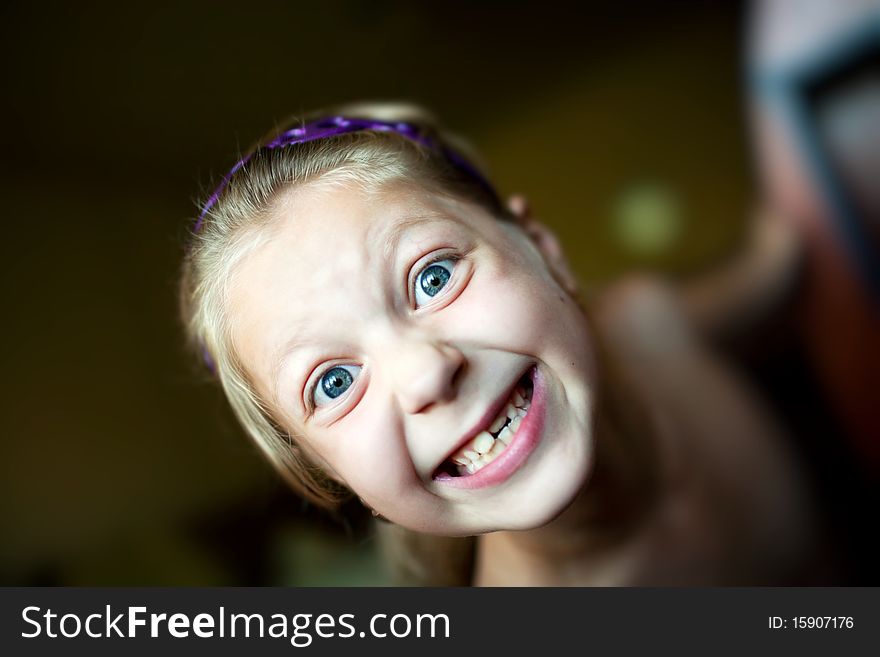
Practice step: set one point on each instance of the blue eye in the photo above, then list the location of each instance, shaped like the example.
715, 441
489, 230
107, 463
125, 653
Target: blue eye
431, 280
334, 383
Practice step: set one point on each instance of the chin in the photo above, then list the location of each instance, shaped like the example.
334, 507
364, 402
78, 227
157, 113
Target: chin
542, 492
550, 495
555, 502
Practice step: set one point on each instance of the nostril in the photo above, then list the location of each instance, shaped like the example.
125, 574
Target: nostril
458, 375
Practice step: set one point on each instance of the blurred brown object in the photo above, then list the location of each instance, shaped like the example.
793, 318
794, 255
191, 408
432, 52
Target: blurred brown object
812, 259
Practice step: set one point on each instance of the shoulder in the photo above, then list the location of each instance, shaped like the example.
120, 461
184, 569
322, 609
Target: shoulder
723, 454
643, 313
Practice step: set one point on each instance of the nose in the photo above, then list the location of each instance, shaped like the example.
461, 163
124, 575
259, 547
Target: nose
425, 373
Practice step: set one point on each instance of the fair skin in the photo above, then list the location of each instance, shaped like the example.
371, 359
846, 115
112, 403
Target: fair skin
338, 278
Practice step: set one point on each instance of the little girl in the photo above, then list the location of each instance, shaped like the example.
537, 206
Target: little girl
384, 325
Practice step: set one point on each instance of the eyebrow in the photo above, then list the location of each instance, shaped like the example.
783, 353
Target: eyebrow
392, 235
279, 358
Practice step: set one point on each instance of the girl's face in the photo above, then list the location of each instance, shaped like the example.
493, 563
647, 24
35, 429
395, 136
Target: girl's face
423, 353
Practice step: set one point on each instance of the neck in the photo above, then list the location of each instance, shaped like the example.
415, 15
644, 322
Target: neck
605, 513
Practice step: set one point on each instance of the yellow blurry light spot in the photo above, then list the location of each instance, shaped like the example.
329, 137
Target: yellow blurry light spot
647, 219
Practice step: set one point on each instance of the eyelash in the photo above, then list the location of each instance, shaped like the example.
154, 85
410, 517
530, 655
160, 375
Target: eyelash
311, 406
439, 256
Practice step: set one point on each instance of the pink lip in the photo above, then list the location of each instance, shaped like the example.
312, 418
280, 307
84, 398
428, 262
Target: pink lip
524, 443
483, 423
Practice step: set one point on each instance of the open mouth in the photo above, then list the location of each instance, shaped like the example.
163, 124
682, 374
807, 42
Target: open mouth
492, 442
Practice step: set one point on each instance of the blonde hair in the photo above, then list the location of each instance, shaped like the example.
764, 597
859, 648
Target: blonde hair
229, 230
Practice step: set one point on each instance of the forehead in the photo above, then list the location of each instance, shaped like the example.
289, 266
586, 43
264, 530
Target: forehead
326, 254
354, 222
320, 235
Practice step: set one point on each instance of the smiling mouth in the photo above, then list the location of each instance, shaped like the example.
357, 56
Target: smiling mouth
491, 442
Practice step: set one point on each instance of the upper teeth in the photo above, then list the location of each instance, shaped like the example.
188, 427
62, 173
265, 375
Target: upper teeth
487, 445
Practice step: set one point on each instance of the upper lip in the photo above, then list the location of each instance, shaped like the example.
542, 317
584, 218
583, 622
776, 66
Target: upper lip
484, 421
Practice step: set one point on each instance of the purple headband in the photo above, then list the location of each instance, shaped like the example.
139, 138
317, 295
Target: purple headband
338, 125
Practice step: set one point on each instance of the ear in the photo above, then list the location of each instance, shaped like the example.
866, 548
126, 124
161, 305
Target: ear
545, 241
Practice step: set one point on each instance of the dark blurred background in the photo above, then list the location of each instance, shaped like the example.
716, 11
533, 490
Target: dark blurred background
623, 122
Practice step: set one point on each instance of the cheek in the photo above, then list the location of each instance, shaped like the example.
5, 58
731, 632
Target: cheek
366, 449
372, 460
515, 305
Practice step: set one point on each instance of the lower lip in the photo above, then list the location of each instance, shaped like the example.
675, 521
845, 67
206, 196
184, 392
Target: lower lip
524, 442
